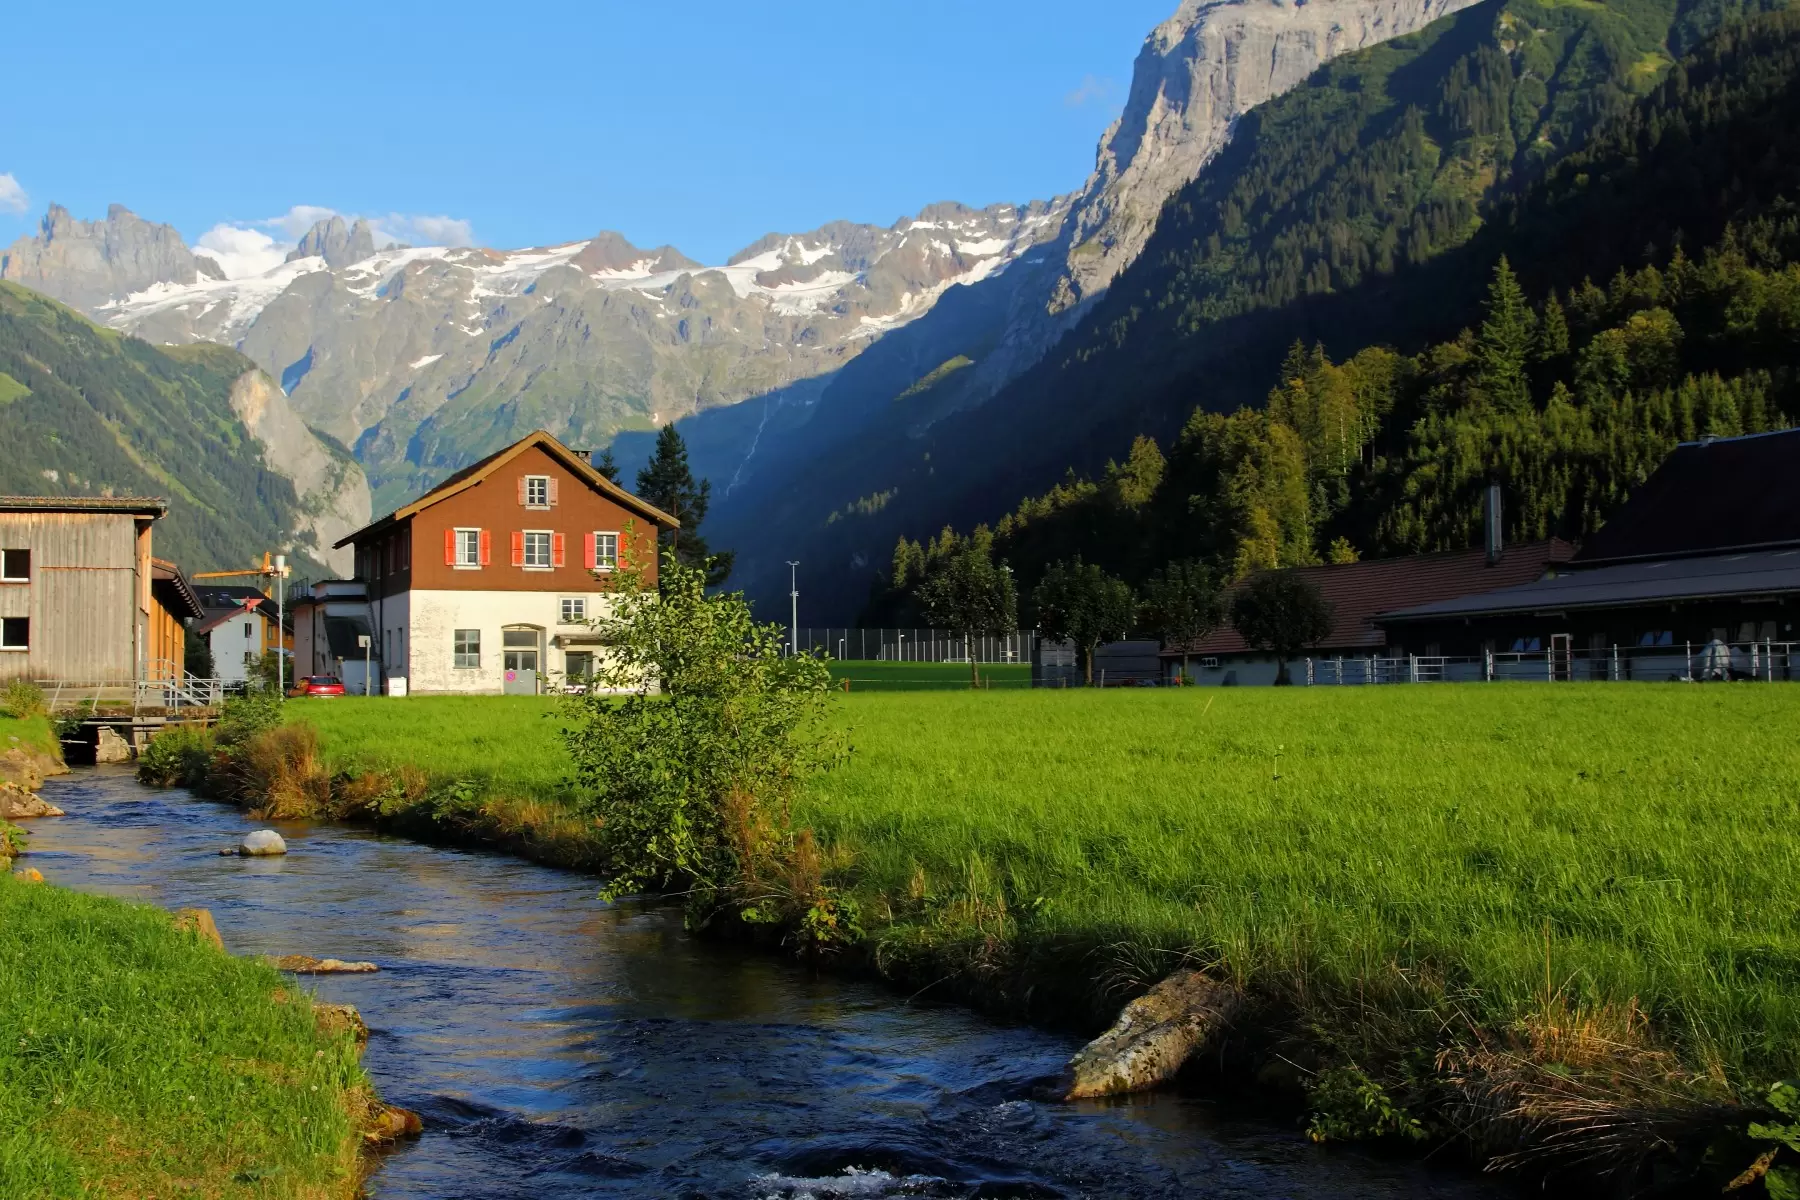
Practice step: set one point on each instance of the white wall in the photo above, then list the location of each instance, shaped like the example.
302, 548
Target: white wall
229, 645
428, 628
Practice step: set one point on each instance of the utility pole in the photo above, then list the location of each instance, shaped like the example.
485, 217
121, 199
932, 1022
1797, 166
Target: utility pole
281, 626
794, 600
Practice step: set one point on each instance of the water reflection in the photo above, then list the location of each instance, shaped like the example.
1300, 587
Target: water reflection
560, 1047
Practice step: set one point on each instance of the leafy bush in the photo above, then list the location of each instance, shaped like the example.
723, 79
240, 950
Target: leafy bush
246, 716
12, 840
23, 699
178, 757
690, 775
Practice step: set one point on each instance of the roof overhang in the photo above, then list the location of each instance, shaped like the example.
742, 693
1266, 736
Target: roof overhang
131, 506
169, 584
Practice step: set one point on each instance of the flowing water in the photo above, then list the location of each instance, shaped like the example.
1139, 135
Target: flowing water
560, 1047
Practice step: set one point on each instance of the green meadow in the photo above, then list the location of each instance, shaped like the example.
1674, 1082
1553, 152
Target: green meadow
136, 1060
1622, 855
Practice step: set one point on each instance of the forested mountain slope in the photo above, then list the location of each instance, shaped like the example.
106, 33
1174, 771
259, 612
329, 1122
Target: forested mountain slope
1367, 206
1565, 390
89, 411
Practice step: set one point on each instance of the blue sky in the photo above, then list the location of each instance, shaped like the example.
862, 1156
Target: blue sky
701, 124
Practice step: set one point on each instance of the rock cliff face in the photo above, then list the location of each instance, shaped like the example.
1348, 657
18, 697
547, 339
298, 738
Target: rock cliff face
1198, 72
333, 492
87, 263
338, 244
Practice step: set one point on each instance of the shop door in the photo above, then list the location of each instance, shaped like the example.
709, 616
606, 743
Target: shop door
521, 673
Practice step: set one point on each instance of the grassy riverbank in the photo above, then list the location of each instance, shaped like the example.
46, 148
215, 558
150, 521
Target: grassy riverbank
136, 1060
34, 734
1579, 896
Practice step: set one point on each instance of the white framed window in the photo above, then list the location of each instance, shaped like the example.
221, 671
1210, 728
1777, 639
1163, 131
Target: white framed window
606, 551
15, 633
466, 547
537, 491
15, 566
467, 650
574, 610
537, 550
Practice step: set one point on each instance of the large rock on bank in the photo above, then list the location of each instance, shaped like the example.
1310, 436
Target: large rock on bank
306, 964
1154, 1036
16, 804
263, 843
200, 923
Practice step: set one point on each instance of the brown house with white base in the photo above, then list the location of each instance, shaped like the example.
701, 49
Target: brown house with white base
488, 582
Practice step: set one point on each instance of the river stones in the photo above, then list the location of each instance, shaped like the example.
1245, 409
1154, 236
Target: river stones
262, 844
389, 1123
1153, 1036
199, 922
305, 964
16, 803
334, 1019
29, 875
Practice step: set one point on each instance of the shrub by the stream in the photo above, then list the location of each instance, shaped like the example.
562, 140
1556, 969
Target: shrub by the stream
692, 772
23, 700
178, 757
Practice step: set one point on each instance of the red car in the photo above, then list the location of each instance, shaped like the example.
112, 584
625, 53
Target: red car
318, 685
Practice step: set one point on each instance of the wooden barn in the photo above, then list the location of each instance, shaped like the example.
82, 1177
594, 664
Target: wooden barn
83, 603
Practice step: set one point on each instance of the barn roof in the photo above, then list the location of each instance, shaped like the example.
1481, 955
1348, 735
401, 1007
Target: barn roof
475, 472
136, 506
1708, 497
1359, 592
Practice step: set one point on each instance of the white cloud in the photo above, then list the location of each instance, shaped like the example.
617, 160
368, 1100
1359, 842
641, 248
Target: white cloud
1093, 90
249, 248
12, 195
241, 251
422, 230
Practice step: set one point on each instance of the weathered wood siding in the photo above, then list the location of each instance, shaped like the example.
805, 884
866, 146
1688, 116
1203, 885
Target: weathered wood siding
87, 597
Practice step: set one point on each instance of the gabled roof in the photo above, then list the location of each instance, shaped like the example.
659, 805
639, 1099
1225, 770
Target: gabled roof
1709, 497
1659, 583
474, 473
266, 611
135, 506
1359, 592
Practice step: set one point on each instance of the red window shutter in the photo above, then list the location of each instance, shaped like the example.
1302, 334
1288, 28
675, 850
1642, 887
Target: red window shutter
487, 548
518, 548
558, 547
449, 547
589, 554
553, 491
521, 489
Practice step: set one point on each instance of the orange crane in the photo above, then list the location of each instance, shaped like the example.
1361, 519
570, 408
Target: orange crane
272, 568
268, 570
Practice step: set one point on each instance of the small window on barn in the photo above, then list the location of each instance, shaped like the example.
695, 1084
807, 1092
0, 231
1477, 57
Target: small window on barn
15, 566
1527, 645
537, 491
15, 633
1664, 637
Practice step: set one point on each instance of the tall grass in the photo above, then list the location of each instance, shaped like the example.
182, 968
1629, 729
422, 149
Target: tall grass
136, 1060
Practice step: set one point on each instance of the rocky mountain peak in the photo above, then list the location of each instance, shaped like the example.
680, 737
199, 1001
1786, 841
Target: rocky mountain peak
337, 243
612, 252
1199, 71
88, 264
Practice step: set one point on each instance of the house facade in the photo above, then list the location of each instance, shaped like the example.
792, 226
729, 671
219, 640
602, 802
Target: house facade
238, 637
82, 599
1697, 576
488, 582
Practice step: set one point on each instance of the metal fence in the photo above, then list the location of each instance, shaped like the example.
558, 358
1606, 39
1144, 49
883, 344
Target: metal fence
917, 645
187, 691
1767, 661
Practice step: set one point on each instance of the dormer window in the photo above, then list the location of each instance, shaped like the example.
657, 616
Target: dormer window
537, 491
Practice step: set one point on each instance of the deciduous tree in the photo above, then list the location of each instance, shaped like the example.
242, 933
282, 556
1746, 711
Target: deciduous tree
1078, 602
1283, 613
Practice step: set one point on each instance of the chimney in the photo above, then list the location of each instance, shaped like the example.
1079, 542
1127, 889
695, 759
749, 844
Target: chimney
586, 456
1491, 516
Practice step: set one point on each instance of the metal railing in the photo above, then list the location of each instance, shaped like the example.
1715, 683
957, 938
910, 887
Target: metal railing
1767, 661
184, 691
917, 645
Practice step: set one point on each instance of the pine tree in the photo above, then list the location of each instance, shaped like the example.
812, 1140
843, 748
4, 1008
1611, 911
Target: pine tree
607, 465
1553, 332
1504, 347
668, 482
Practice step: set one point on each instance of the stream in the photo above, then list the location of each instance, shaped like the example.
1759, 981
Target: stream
558, 1046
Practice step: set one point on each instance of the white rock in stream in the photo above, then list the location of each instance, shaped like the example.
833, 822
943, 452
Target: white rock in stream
262, 842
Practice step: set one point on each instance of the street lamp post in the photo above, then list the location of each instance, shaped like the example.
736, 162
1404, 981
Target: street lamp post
794, 600
281, 626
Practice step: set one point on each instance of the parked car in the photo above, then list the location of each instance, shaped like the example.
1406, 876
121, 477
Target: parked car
318, 685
